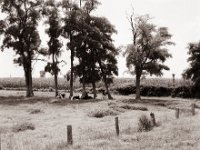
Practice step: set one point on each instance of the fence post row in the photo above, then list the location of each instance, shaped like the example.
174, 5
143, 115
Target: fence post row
69, 135
117, 125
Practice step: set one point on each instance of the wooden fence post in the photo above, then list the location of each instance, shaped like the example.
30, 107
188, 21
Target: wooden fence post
153, 120
117, 125
193, 109
69, 135
177, 113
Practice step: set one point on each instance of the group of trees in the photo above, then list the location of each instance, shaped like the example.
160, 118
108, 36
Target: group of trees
89, 39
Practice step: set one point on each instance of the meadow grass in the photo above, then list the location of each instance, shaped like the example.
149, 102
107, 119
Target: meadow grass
91, 133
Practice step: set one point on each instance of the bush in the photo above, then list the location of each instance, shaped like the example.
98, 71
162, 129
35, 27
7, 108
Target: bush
183, 91
126, 90
23, 127
155, 91
100, 113
1, 87
144, 124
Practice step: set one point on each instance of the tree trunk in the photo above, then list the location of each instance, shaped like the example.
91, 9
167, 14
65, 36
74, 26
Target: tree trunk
105, 81
93, 76
94, 90
28, 80
72, 71
55, 75
138, 75
56, 84
84, 86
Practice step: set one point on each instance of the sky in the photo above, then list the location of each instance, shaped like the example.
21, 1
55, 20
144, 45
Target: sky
180, 16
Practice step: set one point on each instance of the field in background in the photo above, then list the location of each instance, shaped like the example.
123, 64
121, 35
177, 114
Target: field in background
37, 124
46, 83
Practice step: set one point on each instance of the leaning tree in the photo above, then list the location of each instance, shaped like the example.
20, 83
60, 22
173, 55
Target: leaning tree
20, 33
148, 50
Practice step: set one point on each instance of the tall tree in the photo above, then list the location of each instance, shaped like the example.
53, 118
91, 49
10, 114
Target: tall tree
104, 50
54, 32
193, 71
148, 51
94, 48
71, 17
20, 33
86, 67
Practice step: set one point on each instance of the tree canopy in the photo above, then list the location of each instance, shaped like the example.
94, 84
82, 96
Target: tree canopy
148, 51
193, 71
20, 33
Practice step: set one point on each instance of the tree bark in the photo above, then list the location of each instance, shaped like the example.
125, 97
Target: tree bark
28, 80
93, 76
94, 90
72, 71
56, 84
55, 75
105, 80
84, 85
138, 75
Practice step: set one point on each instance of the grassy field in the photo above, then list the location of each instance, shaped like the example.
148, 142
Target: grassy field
38, 124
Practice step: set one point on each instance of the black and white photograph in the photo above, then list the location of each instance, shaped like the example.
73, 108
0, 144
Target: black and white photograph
99, 75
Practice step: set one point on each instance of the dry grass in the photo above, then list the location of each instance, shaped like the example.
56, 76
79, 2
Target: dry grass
100, 113
99, 133
23, 127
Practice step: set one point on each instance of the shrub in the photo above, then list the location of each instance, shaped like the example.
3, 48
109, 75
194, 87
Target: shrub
183, 91
155, 91
23, 127
144, 124
100, 113
1, 87
126, 90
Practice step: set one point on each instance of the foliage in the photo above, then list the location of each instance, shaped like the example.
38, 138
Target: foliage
54, 32
148, 52
193, 71
20, 33
91, 42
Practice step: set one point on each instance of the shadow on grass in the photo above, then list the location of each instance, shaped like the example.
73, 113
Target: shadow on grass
17, 100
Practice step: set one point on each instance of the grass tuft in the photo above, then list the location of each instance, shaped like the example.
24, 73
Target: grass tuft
23, 127
100, 113
134, 108
35, 111
144, 124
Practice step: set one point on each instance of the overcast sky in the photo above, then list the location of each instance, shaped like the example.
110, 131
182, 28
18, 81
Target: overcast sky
182, 18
